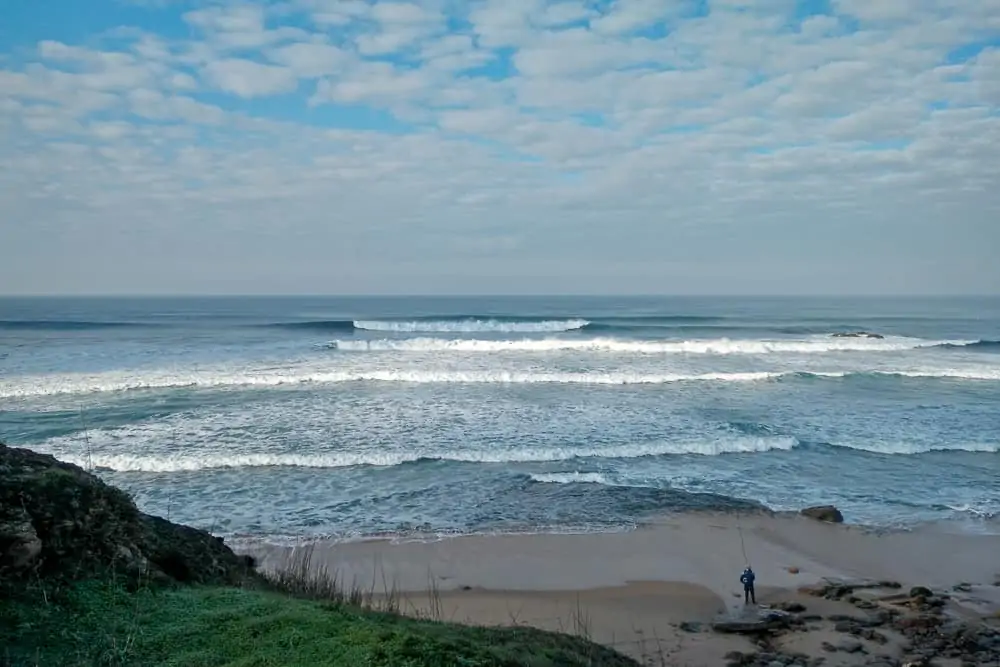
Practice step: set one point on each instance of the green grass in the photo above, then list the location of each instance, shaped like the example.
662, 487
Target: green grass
99, 622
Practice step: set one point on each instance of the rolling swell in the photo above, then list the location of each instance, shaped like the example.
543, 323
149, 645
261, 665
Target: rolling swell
978, 346
316, 325
63, 325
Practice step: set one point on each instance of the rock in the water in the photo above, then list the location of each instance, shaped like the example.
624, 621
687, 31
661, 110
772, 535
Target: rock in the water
58, 520
963, 587
690, 626
858, 334
920, 592
827, 513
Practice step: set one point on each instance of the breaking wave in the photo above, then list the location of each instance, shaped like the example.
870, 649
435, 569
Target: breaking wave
189, 462
708, 346
93, 385
471, 325
979, 345
90, 384
441, 325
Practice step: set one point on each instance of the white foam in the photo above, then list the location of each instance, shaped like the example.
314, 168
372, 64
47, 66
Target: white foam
69, 384
908, 448
471, 325
206, 460
721, 346
27, 386
575, 477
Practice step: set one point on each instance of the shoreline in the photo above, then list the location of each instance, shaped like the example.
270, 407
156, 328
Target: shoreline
964, 527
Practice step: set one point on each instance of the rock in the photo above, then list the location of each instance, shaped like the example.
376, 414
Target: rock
850, 646
848, 627
962, 587
920, 592
827, 513
61, 522
828, 647
791, 607
20, 545
921, 622
766, 622
858, 334
690, 626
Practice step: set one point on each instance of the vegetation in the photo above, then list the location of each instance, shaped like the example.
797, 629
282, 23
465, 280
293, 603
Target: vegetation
100, 622
87, 579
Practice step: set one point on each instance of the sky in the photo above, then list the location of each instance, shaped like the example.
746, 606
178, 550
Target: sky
500, 146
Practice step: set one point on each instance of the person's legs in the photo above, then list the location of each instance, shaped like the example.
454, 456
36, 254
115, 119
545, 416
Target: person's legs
753, 594
746, 595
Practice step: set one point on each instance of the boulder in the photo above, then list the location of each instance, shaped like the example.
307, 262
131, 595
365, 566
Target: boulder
59, 521
765, 622
827, 513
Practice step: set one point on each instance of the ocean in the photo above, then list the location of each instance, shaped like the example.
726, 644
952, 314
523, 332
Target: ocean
288, 418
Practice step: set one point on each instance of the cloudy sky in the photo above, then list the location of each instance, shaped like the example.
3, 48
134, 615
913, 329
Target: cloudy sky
500, 146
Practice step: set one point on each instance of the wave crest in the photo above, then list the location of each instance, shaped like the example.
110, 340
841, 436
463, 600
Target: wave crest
471, 325
721, 346
28, 387
190, 462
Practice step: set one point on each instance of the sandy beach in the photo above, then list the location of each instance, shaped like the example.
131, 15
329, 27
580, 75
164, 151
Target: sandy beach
655, 591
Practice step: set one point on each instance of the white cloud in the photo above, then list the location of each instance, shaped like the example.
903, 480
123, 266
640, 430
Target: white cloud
546, 137
247, 78
401, 25
376, 83
310, 60
240, 27
628, 15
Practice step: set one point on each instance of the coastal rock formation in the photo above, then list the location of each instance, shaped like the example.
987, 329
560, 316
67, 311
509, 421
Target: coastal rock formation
57, 520
827, 513
858, 334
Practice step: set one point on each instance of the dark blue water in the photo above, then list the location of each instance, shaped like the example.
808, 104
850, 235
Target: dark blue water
360, 416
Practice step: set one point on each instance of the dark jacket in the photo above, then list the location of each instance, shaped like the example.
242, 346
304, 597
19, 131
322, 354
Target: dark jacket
747, 578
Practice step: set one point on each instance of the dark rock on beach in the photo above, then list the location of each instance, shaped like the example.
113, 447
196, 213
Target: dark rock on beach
764, 622
59, 521
827, 513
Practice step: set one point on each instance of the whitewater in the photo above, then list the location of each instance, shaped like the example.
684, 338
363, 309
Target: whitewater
348, 417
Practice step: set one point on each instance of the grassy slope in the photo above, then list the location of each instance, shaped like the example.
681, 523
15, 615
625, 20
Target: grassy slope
99, 623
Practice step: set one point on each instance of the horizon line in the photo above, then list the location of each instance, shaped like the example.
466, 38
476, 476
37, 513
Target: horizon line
492, 295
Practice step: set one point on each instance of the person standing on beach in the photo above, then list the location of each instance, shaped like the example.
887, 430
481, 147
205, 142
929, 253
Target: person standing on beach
747, 579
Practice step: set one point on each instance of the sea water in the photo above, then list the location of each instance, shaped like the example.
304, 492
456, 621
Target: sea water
352, 417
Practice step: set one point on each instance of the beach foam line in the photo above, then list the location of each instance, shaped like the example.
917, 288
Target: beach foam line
193, 461
29, 386
720, 346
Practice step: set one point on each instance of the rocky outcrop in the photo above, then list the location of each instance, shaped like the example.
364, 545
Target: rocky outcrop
827, 513
59, 521
858, 334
